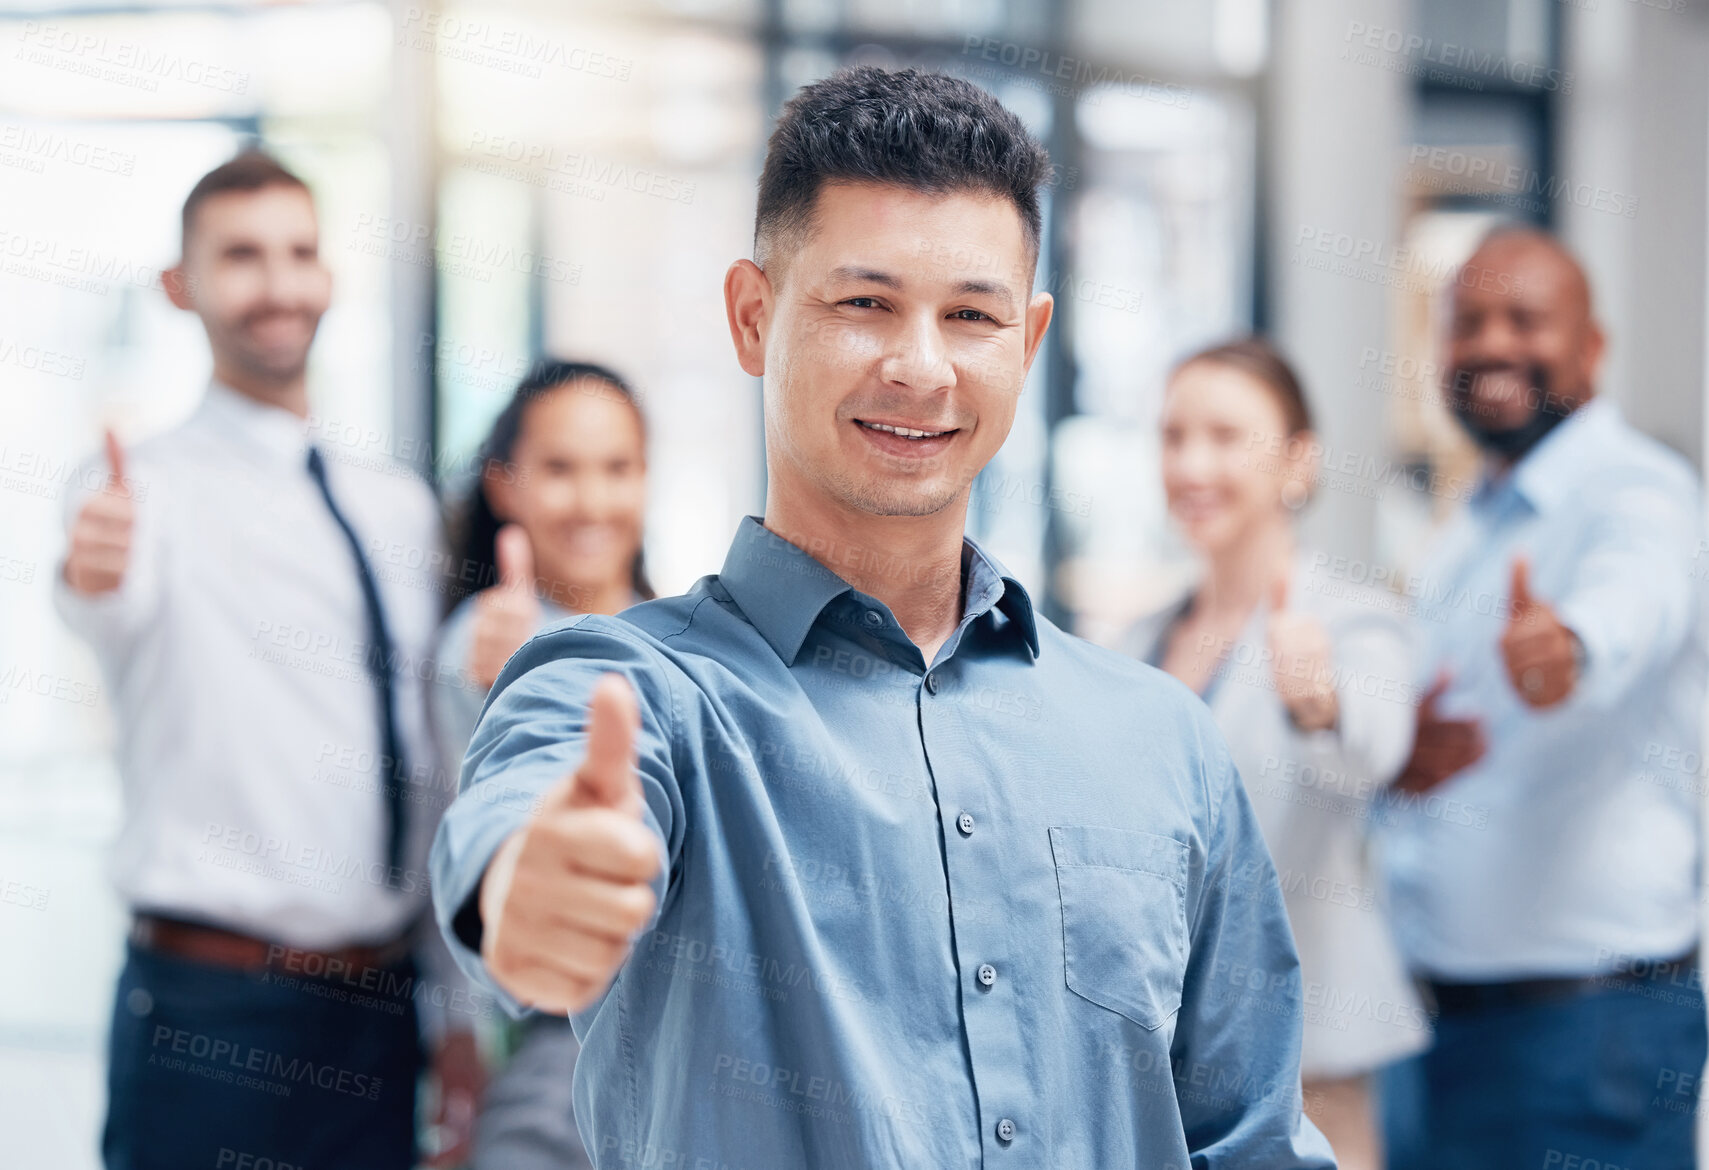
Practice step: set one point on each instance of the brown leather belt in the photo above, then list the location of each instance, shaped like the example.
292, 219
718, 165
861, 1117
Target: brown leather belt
1458, 998
235, 951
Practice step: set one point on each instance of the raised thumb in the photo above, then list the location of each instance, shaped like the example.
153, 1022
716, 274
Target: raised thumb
515, 556
1519, 588
607, 776
115, 463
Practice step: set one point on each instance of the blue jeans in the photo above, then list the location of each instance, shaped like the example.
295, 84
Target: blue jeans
216, 1068
1605, 1080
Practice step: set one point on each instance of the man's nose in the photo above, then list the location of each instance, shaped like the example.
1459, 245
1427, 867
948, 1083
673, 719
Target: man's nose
1494, 340
288, 281
918, 357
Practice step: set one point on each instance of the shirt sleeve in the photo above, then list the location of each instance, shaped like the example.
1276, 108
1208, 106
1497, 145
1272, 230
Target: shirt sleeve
455, 699
454, 1002
1375, 698
532, 734
1236, 1051
1633, 595
109, 621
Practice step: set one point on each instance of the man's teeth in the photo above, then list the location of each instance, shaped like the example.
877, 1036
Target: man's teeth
905, 432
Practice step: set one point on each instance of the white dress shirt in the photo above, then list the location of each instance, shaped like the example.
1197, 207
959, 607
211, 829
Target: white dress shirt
1572, 847
249, 730
1315, 794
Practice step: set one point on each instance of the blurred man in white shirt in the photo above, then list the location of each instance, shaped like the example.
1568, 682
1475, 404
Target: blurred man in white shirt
280, 781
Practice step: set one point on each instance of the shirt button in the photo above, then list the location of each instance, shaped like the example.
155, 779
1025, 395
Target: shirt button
965, 823
932, 681
874, 618
987, 974
1005, 1130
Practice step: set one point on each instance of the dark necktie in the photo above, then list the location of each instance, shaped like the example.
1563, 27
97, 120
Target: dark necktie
378, 661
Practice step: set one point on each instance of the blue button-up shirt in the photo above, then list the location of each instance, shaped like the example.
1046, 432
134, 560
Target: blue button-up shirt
1572, 847
1009, 908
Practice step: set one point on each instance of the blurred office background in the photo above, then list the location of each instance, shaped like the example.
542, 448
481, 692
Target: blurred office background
498, 180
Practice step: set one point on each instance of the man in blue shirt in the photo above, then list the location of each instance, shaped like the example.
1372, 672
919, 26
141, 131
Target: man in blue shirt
920, 880
1543, 844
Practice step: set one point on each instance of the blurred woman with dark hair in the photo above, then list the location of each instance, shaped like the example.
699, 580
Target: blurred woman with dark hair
1305, 674
553, 528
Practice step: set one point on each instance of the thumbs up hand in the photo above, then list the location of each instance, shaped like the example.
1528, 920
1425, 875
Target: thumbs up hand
1540, 653
1300, 654
563, 895
100, 546
508, 613
1441, 746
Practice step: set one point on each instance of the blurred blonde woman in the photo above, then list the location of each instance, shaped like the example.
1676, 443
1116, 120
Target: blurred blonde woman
553, 528
1304, 675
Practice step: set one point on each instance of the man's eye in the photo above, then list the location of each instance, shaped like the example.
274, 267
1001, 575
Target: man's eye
862, 302
971, 315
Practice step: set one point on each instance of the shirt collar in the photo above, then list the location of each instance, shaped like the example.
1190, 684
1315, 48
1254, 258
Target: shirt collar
273, 429
782, 589
1547, 473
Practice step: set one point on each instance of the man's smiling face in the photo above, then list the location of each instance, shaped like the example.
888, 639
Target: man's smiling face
896, 335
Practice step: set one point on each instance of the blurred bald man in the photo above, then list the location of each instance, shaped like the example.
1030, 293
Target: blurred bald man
1542, 850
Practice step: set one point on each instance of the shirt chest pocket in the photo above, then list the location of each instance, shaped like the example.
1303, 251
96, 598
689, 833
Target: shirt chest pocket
1124, 918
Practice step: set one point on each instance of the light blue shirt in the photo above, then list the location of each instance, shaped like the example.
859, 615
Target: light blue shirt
1572, 847
1011, 910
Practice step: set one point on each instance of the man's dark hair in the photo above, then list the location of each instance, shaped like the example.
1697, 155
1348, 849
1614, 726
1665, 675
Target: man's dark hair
927, 132
249, 171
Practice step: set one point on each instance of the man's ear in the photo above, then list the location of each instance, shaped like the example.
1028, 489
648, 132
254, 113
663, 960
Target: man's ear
177, 284
1039, 312
747, 304
1595, 346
